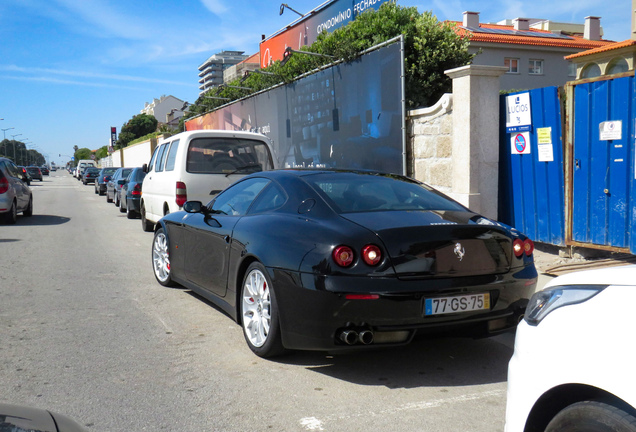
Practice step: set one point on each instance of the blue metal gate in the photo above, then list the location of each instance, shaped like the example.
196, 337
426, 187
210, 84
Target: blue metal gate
531, 187
603, 212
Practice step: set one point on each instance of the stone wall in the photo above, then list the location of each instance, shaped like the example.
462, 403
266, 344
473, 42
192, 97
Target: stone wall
430, 144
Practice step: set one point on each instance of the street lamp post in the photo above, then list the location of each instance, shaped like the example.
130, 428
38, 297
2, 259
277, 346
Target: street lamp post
13, 139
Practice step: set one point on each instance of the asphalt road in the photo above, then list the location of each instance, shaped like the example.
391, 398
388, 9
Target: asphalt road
86, 330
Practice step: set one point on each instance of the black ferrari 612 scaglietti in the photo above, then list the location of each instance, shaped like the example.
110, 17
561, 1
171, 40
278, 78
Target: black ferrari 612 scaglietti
333, 260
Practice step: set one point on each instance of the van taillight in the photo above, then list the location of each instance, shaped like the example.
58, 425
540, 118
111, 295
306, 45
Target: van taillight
182, 194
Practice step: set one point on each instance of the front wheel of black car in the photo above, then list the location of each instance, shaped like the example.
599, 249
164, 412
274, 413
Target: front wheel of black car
259, 313
161, 259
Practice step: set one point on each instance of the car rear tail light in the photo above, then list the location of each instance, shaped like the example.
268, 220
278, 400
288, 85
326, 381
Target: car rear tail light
343, 256
4, 185
371, 254
528, 247
136, 190
182, 194
523, 246
362, 296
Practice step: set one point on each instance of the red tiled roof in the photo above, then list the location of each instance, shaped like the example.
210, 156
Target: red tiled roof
576, 42
609, 47
254, 58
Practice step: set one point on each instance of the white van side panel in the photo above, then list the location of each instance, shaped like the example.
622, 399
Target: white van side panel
159, 188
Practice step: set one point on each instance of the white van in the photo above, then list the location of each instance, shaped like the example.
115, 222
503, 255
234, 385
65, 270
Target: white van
81, 164
197, 165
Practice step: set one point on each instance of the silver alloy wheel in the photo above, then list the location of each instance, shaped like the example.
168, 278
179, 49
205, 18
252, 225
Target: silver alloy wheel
256, 308
160, 258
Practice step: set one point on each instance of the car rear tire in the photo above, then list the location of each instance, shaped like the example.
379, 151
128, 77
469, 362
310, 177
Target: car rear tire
116, 198
108, 198
145, 225
28, 212
259, 313
12, 216
161, 258
591, 416
121, 206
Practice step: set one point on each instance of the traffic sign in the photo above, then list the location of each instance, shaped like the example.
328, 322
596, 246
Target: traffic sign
520, 143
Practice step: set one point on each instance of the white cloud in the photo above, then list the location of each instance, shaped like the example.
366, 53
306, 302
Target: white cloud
214, 6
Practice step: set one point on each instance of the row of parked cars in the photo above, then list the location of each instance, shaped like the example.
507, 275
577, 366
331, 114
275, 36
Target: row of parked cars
122, 186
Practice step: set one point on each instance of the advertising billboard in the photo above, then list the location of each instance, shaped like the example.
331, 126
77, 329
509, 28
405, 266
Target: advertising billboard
327, 17
349, 115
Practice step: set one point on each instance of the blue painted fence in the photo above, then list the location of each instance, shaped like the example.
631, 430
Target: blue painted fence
604, 177
531, 193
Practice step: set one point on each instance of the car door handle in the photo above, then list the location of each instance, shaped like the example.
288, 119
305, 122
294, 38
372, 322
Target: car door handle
227, 239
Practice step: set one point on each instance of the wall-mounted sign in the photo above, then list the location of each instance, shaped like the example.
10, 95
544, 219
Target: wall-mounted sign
610, 130
518, 117
520, 143
544, 140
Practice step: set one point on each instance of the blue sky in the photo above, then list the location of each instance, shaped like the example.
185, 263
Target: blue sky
70, 69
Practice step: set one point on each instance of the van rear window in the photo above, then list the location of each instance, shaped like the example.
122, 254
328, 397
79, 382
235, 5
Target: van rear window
227, 155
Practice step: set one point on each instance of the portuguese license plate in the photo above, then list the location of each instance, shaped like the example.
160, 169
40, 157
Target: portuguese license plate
456, 304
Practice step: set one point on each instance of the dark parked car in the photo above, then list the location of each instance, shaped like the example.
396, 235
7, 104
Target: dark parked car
130, 193
35, 173
24, 175
338, 260
90, 175
115, 183
102, 179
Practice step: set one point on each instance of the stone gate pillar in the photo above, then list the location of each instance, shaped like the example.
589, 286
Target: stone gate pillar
475, 169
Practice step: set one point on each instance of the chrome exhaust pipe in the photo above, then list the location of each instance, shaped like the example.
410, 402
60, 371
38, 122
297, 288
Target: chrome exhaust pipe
365, 337
349, 337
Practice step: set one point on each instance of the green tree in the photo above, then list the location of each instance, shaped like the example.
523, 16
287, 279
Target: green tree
137, 126
82, 153
102, 152
431, 47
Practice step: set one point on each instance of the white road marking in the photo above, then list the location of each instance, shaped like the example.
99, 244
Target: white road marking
314, 424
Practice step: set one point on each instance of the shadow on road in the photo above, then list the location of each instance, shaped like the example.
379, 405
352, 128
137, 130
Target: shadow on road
432, 362
426, 362
41, 220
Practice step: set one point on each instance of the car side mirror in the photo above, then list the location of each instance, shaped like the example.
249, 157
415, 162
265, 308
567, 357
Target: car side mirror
121, 182
144, 168
193, 207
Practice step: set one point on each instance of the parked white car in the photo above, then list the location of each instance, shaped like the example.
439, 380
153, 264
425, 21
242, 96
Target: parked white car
197, 165
575, 356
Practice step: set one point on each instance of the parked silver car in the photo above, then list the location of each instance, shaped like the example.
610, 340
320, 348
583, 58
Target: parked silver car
15, 195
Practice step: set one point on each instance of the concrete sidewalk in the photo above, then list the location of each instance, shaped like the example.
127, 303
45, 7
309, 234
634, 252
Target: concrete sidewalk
552, 261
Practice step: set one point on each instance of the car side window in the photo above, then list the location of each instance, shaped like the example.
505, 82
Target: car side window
151, 164
12, 169
237, 199
159, 162
271, 198
172, 155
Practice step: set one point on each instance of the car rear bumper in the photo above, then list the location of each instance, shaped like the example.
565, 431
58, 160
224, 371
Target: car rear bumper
315, 318
133, 204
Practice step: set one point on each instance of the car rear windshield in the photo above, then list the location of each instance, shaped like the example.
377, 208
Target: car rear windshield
227, 155
354, 192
